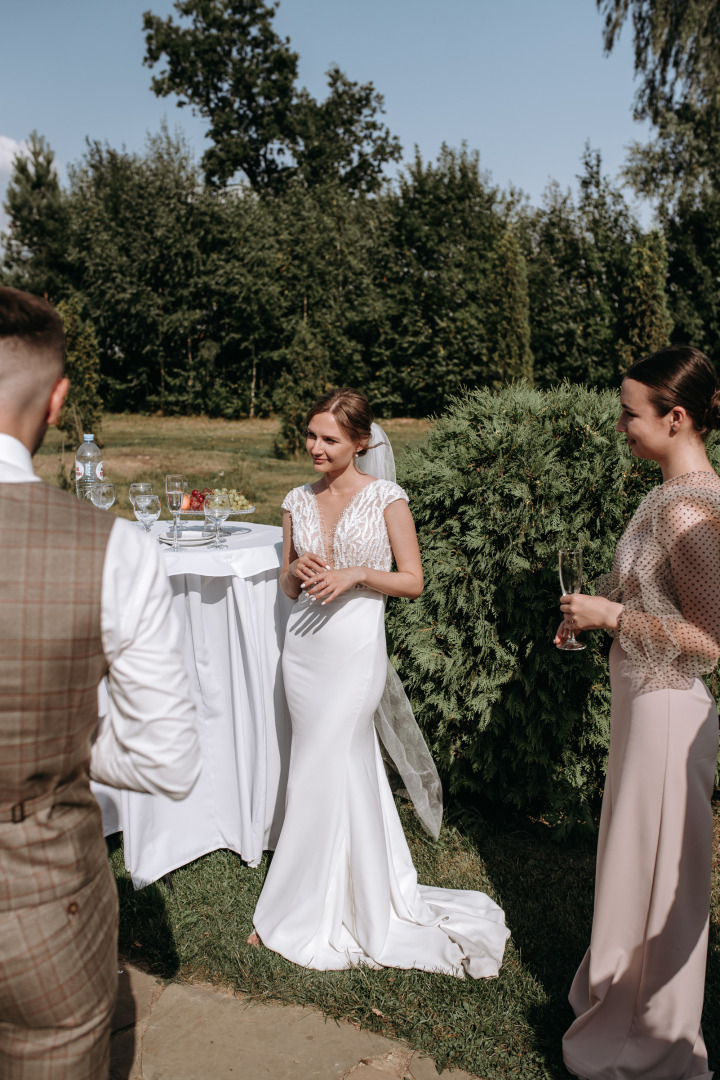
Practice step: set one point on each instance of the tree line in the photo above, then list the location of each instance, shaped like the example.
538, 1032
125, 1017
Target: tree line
284, 261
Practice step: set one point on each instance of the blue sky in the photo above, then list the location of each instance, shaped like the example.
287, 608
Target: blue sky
525, 82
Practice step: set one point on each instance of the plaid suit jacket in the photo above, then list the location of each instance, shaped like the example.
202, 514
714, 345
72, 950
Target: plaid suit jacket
52, 549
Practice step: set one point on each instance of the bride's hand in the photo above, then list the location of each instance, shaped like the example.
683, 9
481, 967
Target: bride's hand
333, 583
307, 568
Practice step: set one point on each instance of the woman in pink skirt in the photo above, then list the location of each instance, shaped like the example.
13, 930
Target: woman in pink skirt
638, 993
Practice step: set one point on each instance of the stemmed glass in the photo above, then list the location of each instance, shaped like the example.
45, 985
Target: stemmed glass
103, 495
570, 568
139, 489
217, 510
147, 510
174, 490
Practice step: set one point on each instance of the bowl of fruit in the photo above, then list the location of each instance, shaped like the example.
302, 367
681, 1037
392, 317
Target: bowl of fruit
194, 504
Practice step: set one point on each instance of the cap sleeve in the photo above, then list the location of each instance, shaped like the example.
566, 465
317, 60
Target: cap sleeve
291, 499
390, 493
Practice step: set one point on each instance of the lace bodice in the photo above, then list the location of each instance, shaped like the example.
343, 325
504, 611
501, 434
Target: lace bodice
360, 537
667, 574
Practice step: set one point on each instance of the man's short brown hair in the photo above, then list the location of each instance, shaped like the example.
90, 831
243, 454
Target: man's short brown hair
31, 320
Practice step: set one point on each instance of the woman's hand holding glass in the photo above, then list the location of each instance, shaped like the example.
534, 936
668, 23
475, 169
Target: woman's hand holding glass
582, 612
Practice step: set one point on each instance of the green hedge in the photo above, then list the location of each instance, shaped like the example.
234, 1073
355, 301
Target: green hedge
502, 481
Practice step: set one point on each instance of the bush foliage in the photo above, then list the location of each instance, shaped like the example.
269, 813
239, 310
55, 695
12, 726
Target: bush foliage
501, 483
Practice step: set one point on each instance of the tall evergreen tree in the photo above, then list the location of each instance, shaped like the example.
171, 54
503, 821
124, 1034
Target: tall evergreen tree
693, 239
306, 375
507, 353
646, 318
578, 253
36, 242
442, 222
83, 408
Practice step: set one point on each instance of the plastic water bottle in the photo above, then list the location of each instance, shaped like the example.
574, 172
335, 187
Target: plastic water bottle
88, 467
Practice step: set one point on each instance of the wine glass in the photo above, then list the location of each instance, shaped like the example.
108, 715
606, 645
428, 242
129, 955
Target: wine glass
147, 510
139, 489
103, 495
570, 567
174, 491
217, 510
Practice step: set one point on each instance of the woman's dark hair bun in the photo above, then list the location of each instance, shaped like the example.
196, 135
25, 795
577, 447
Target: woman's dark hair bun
681, 375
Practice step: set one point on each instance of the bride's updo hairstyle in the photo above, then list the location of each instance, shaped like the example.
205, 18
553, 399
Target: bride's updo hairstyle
681, 375
351, 411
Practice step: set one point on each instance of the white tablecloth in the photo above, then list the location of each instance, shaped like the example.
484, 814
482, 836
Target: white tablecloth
234, 614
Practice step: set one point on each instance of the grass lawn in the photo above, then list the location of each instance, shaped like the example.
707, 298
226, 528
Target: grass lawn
507, 1027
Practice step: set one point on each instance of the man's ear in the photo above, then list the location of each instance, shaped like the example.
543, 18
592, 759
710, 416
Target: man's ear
57, 400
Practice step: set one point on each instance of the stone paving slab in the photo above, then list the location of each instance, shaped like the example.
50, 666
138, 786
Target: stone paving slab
188, 1032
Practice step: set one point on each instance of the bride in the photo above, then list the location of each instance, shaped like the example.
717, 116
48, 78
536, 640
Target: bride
341, 888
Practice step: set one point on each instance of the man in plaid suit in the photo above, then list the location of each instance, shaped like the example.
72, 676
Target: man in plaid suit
83, 595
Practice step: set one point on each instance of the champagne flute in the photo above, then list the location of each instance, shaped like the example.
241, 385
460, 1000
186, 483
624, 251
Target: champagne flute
103, 495
570, 568
174, 491
217, 510
147, 510
139, 489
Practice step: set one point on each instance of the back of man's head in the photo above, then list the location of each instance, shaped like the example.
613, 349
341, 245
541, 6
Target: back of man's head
32, 347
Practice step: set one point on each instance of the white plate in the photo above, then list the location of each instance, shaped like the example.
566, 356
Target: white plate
187, 541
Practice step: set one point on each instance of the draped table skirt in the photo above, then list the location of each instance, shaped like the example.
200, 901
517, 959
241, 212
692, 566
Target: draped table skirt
234, 616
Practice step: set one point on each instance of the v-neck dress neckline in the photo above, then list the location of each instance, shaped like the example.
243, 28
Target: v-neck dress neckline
327, 536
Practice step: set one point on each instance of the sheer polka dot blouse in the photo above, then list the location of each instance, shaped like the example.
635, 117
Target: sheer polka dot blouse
667, 574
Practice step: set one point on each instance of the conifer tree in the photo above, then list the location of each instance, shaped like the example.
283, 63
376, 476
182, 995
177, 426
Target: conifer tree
36, 242
83, 407
442, 223
306, 376
507, 307
647, 321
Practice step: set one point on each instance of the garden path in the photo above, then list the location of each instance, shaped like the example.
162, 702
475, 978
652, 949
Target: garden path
194, 1032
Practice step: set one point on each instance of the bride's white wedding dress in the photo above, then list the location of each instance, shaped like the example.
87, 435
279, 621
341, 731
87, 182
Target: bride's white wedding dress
341, 888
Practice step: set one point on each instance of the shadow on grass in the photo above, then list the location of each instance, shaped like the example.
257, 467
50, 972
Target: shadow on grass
145, 932
546, 890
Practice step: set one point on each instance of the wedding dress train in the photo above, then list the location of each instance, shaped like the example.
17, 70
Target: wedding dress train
341, 888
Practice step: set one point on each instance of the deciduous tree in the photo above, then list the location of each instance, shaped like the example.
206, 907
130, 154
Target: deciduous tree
677, 57
226, 61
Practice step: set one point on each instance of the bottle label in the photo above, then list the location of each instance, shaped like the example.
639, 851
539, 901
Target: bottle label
88, 471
